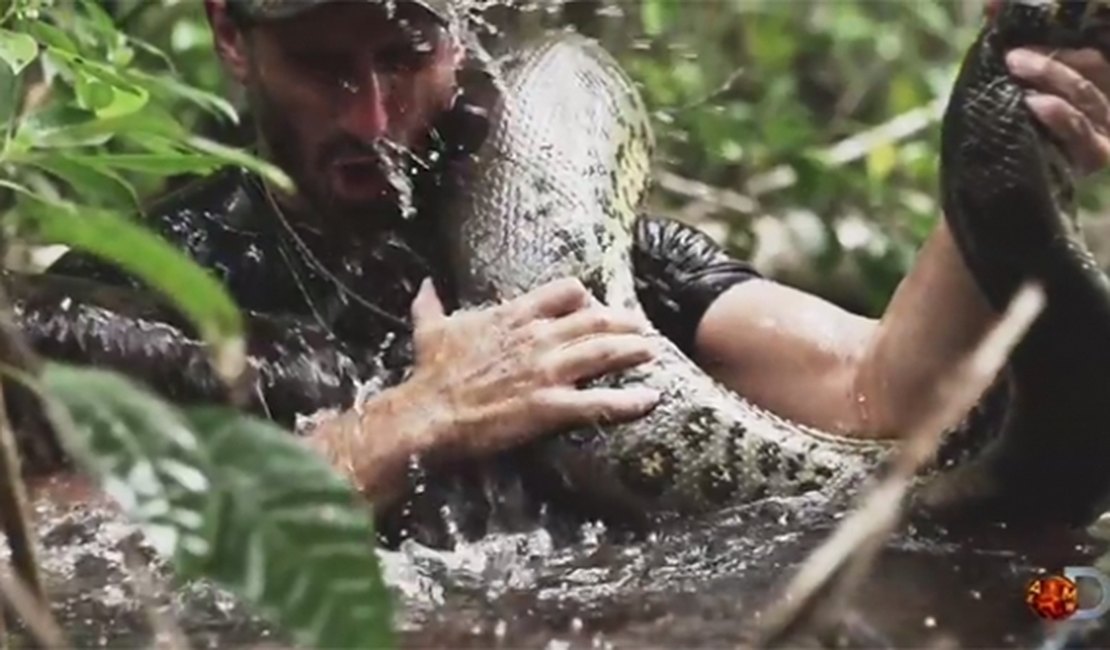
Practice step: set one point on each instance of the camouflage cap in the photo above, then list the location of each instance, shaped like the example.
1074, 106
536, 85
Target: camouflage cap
277, 9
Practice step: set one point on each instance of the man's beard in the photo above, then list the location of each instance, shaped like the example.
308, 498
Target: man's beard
322, 207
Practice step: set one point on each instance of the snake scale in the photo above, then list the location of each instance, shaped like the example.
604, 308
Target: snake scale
555, 189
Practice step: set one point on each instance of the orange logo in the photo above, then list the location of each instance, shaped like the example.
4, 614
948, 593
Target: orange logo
1052, 597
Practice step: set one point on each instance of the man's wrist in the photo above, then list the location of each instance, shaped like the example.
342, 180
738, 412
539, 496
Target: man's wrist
374, 442
423, 415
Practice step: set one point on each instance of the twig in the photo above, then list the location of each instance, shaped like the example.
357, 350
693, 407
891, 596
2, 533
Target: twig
832, 571
13, 509
40, 622
706, 193
13, 497
857, 146
722, 88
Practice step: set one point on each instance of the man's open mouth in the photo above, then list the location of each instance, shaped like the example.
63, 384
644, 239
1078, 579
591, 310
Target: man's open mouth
357, 178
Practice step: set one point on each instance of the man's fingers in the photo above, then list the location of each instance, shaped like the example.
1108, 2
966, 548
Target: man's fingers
571, 407
554, 299
1078, 85
1089, 63
597, 356
1087, 148
595, 320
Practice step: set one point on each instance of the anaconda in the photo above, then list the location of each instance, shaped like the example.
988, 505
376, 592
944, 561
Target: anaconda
552, 192
555, 188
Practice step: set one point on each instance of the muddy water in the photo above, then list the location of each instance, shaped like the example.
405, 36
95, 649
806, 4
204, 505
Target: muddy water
693, 585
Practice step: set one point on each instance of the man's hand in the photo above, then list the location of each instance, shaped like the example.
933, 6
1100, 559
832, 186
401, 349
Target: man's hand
508, 373
1068, 94
487, 379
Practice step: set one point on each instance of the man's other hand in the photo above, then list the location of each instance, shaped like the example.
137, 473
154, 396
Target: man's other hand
509, 372
1068, 94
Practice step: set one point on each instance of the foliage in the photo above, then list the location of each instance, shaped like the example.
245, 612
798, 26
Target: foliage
824, 115
751, 95
233, 499
95, 120
90, 125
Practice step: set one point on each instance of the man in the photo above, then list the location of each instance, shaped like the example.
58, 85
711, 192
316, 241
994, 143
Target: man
338, 87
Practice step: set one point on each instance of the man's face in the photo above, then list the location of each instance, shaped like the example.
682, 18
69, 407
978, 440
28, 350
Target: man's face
337, 87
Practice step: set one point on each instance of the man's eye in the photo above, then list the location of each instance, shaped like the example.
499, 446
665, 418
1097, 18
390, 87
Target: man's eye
323, 64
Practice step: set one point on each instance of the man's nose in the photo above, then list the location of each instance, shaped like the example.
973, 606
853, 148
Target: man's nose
364, 113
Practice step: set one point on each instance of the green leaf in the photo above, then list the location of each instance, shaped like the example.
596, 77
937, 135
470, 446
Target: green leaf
141, 450
121, 56
171, 88
88, 179
881, 161
93, 94
51, 36
159, 164
144, 254
100, 19
10, 85
234, 156
126, 97
654, 16
17, 50
307, 528
235, 500
69, 127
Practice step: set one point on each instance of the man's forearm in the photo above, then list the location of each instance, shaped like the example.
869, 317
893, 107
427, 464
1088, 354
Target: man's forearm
936, 317
374, 443
815, 363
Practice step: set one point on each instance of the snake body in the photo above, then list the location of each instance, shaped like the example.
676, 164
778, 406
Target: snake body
1009, 199
554, 192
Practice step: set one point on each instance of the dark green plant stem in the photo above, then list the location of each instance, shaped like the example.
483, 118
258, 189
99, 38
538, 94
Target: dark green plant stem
13, 497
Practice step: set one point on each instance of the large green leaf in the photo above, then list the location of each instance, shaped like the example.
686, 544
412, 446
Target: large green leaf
51, 36
70, 127
148, 163
170, 88
202, 298
235, 500
301, 543
17, 50
101, 87
88, 179
235, 156
10, 84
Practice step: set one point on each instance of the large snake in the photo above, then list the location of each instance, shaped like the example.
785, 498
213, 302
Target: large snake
554, 192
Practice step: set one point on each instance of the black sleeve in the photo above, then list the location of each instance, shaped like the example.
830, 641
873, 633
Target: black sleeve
679, 272
295, 367
189, 219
